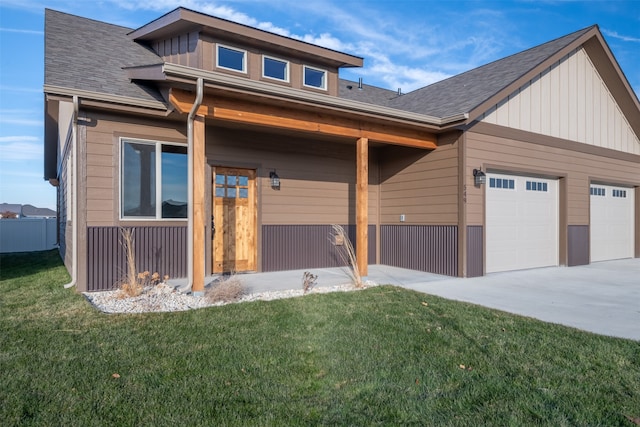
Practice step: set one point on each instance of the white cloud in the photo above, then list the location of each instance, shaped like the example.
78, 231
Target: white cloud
21, 31
615, 35
21, 117
19, 148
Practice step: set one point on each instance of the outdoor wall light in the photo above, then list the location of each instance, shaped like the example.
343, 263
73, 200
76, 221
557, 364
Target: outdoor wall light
479, 177
275, 180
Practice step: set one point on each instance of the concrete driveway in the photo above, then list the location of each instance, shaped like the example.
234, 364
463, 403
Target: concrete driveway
603, 297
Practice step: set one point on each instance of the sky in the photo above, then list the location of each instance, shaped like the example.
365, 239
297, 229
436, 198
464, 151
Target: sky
406, 44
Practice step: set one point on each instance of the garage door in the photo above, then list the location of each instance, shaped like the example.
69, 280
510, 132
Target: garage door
612, 225
521, 222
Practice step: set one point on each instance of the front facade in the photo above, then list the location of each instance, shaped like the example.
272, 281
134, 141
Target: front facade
227, 148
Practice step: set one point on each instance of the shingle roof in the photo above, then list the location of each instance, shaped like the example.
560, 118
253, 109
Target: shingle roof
84, 54
369, 94
462, 93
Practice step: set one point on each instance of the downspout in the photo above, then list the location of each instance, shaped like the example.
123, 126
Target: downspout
190, 120
74, 195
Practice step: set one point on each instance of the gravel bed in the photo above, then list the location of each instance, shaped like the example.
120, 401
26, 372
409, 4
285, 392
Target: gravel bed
163, 298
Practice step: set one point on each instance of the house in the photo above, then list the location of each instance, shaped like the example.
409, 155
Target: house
228, 148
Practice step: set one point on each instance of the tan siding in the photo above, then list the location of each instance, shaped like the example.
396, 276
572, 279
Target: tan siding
317, 177
422, 185
102, 159
578, 168
575, 104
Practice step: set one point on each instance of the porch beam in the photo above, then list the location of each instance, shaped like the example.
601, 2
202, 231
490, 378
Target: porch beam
271, 116
199, 225
362, 205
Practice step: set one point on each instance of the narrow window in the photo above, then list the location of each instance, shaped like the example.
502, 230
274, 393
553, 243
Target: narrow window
275, 69
153, 181
314, 77
231, 59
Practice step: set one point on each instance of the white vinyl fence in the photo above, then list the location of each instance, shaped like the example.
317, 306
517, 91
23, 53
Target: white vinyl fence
27, 234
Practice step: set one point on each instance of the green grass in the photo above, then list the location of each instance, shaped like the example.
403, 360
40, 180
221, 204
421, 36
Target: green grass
374, 357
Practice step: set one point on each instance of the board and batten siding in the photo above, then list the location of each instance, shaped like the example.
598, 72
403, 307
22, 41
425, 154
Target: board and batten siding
490, 147
318, 177
568, 100
181, 49
421, 185
102, 159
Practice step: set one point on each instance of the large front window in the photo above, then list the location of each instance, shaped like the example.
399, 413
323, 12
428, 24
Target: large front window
153, 180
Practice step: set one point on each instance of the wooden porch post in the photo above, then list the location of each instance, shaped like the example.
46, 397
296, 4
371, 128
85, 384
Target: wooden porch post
198, 204
362, 204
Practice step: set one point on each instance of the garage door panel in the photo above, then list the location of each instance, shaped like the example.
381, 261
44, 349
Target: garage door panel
522, 223
611, 222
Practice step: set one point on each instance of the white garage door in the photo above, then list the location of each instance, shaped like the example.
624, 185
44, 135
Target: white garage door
611, 222
521, 221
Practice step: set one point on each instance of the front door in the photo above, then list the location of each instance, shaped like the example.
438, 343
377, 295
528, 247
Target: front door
234, 219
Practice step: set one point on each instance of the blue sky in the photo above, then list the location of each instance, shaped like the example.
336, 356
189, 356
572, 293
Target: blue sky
406, 44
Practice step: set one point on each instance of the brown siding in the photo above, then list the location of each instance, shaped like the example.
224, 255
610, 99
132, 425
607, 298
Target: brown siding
157, 249
429, 248
578, 245
475, 251
422, 185
291, 247
317, 177
491, 150
102, 161
181, 49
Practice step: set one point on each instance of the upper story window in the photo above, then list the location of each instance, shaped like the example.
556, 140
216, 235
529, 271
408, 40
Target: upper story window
231, 59
275, 68
153, 180
314, 77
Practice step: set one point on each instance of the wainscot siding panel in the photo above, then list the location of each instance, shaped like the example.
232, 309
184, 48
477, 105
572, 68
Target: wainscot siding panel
431, 248
293, 247
578, 245
157, 249
475, 250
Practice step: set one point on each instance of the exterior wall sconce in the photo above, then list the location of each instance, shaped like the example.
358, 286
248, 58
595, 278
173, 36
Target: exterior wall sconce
479, 177
275, 180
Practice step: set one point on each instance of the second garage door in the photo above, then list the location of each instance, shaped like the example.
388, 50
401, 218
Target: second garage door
612, 228
521, 222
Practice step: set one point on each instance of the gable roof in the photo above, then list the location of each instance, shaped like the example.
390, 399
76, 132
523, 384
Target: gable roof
87, 55
465, 92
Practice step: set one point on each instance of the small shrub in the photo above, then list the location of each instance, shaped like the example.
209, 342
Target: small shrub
347, 254
134, 282
227, 289
308, 281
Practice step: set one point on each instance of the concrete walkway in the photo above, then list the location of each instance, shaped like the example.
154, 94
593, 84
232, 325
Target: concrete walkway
603, 297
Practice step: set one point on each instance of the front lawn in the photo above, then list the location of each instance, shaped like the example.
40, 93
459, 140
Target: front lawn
383, 356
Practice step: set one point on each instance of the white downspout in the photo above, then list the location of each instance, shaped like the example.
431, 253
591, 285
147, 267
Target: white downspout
74, 195
190, 119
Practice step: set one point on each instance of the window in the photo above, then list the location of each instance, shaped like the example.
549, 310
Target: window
536, 186
314, 77
153, 180
232, 186
620, 193
231, 59
598, 191
275, 69
507, 184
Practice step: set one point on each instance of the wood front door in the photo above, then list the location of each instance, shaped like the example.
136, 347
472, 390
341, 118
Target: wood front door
234, 219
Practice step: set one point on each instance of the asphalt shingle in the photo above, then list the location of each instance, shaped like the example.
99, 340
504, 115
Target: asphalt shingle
84, 54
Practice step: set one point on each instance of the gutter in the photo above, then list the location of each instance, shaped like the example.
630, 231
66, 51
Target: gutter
74, 207
190, 120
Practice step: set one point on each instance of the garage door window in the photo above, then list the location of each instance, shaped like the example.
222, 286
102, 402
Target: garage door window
536, 186
620, 193
507, 184
598, 191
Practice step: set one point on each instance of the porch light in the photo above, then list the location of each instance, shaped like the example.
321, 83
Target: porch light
479, 177
275, 180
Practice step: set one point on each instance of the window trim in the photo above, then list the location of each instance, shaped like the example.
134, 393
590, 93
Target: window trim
158, 183
287, 71
222, 67
324, 81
